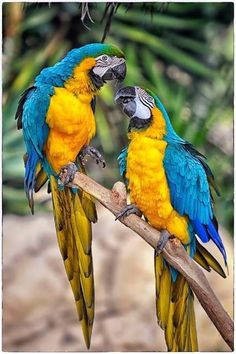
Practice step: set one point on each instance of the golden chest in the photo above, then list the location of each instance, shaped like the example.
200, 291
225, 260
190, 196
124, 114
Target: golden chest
149, 188
72, 125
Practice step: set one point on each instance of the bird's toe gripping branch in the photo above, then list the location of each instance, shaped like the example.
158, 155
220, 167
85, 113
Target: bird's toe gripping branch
164, 238
67, 174
128, 210
92, 152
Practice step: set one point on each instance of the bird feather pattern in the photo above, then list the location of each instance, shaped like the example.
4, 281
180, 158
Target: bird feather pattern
57, 118
74, 239
179, 201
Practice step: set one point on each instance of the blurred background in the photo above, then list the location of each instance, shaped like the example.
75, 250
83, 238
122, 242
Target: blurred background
184, 53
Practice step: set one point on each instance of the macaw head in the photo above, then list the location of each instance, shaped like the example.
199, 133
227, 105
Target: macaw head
101, 62
137, 104
108, 62
146, 112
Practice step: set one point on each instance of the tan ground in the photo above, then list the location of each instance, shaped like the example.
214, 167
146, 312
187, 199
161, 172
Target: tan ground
39, 313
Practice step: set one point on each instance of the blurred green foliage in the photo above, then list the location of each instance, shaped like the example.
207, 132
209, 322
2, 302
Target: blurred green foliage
184, 53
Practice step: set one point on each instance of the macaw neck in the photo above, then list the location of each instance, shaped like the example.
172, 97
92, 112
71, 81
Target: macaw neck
155, 130
160, 127
80, 82
76, 78
170, 135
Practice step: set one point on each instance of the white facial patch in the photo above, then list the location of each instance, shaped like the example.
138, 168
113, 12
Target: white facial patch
104, 62
142, 111
144, 104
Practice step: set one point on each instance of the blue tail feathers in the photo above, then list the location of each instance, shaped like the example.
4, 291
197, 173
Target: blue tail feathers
207, 232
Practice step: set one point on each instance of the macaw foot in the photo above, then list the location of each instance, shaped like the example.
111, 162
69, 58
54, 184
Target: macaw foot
67, 174
164, 238
128, 210
94, 153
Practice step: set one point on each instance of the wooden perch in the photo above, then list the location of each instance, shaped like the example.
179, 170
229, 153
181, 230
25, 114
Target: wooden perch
173, 252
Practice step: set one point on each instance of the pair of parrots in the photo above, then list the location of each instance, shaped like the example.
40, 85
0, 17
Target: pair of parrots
168, 180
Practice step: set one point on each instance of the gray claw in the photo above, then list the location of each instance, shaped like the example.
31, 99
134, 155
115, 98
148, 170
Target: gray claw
94, 153
128, 210
67, 173
165, 236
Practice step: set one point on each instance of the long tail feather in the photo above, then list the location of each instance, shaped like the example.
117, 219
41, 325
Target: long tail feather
87, 200
199, 258
175, 309
209, 261
210, 231
74, 235
40, 179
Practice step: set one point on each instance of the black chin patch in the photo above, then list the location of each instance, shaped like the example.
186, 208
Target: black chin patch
139, 124
97, 81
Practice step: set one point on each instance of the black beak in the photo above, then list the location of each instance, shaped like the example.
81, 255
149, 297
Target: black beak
125, 99
118, 72
125, 92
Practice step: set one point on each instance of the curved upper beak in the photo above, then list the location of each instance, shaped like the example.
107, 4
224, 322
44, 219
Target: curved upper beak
117, 72
125, 92
128, 106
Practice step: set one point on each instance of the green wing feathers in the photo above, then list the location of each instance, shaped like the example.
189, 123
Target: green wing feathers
175, 309
74, 234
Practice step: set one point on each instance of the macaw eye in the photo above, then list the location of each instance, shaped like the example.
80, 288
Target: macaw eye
105, 58
126, 100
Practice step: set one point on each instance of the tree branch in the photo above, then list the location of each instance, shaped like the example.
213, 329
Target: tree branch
173, 252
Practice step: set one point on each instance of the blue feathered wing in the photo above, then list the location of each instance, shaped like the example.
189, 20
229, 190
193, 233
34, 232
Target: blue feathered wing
188, 178
31, 116
122, 160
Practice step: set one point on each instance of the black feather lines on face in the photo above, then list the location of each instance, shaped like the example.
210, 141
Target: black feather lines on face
139, 124
97, 81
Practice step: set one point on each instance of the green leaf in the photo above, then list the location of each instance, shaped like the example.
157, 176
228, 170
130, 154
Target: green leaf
166, 51
160, 20
38, 17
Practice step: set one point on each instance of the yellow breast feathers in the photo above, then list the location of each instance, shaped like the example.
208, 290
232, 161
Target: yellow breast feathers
147, 180
70, 117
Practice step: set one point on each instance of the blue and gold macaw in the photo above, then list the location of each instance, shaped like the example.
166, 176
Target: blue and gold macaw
169, 183
57, 118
